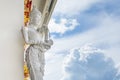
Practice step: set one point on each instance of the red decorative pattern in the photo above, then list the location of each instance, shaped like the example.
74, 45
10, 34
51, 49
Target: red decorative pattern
27, 9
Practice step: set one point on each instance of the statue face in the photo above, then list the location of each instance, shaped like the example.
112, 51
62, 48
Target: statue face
35, 20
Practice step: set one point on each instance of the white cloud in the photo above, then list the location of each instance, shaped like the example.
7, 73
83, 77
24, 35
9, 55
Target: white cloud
106, 33
88, 63
72, 7
63, 26
53, 66
105, 36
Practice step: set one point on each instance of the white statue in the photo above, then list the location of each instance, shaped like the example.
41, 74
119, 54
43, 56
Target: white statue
38, 39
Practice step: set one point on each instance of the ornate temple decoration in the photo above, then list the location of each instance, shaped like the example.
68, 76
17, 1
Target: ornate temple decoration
27, 9
36, 36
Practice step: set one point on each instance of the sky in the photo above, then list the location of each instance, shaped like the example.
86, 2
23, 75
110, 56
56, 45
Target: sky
86, 41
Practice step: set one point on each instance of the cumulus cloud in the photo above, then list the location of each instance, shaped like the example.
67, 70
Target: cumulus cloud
63, 26
104, 35
88, 63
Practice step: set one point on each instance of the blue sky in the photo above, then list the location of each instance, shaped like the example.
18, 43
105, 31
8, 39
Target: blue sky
86, 38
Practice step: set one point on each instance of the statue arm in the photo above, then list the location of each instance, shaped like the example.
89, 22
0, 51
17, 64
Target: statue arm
46, 33
26, 37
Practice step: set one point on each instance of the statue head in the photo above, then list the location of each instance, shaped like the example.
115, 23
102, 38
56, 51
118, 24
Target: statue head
35, 16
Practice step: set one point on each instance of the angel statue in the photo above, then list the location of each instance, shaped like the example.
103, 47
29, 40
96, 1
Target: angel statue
37, 37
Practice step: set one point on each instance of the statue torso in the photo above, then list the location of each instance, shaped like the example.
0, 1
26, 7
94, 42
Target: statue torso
33, 34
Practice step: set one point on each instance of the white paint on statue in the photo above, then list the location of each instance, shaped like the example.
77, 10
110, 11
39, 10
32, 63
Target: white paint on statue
38, 39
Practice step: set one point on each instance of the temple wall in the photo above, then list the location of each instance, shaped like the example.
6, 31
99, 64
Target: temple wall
11, 42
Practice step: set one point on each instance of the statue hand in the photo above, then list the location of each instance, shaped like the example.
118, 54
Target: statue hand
49, 42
